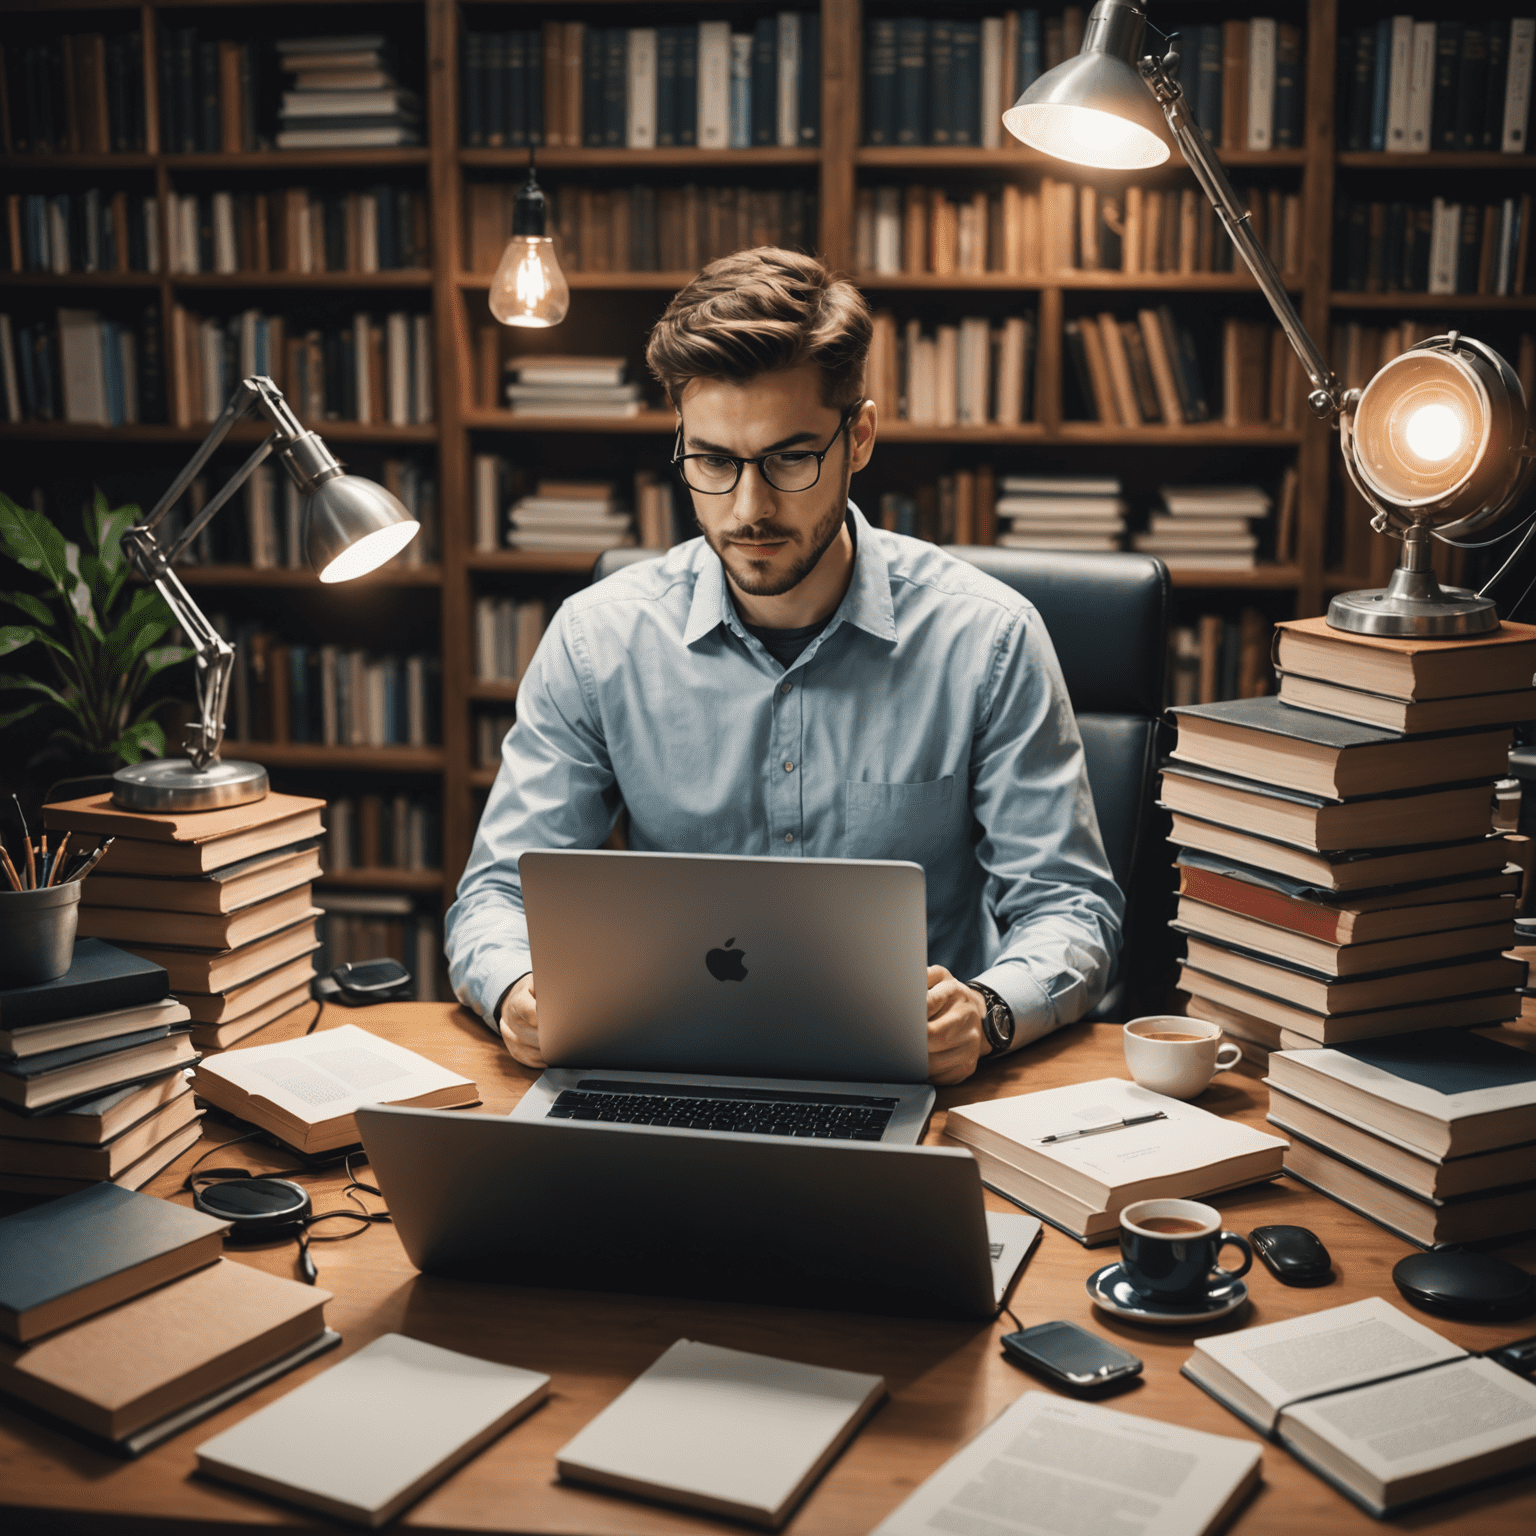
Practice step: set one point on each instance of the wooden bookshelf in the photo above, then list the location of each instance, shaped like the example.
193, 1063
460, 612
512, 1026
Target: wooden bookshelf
612, 310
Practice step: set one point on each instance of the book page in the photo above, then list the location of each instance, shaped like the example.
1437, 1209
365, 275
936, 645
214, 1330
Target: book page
1413, 1424
322, 1076
1327, 1351
1047, 1465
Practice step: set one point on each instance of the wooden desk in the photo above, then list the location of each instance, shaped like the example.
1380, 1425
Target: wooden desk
946, 1379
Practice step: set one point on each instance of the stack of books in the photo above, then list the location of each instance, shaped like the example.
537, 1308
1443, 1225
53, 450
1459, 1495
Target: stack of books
1060, 512
1339, 879
570, 514
123, 1321
343, 96
219, 899
1205, 527
1431, 1135
571, 386
1080, 1184
93, 1083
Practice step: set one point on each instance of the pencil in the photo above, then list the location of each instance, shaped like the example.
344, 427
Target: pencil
10, 869
31, 868
26, 836
58, 860
95, 859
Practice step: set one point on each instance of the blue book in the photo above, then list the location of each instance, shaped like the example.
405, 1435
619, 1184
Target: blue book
666, 87
1381, 83
1447, 85
1288, 87
880, 80
688, 86
741, 90
533, 66
765, 82
592, 44
965, 85
911, 80
493, 89
941, 82
514, 91
1207, 94
615, 87
1027, 68
810, 79
471, 69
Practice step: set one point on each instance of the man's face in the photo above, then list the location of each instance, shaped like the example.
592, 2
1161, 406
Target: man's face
770, 540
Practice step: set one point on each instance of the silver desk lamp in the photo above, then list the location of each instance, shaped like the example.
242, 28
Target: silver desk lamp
350, 527
1439, 441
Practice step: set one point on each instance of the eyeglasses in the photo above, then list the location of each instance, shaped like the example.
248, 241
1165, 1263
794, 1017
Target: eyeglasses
790, 469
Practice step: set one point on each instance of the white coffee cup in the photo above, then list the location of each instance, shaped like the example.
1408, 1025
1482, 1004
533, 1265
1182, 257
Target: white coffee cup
1176, 1056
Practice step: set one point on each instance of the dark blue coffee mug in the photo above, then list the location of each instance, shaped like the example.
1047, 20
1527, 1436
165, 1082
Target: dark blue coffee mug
1169, 1249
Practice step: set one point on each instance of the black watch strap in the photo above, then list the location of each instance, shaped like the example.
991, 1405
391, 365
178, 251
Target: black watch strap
997, 1022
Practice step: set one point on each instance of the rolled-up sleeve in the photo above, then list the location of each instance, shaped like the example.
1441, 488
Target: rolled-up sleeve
1049, 892
555, 789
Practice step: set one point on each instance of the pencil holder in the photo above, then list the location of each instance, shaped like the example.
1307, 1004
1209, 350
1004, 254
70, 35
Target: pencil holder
37, 933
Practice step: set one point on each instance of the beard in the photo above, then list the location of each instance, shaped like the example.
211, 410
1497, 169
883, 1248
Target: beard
756, 580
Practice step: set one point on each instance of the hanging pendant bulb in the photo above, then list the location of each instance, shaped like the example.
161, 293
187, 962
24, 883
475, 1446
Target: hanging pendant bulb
529, 289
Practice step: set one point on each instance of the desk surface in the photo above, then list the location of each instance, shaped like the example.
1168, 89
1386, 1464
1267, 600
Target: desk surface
946, 1379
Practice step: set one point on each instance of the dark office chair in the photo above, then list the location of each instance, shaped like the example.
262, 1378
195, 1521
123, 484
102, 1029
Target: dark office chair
1107, 616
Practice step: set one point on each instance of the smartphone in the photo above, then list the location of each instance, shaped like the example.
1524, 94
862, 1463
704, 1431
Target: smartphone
1070, 1357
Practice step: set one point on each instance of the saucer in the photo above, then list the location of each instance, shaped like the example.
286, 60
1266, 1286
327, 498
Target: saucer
1111, 1289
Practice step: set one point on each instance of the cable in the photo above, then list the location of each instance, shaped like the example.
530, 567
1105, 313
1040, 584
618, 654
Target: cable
319, 1009
1498, 538
1514, 607
1514, 555
1009, 1313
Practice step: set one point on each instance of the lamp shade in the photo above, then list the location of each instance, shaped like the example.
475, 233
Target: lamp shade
352, 526
1095, 109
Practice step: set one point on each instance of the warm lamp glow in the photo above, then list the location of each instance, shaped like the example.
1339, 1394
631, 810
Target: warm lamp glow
1085, 136
370, 552
1435, 432
529, 289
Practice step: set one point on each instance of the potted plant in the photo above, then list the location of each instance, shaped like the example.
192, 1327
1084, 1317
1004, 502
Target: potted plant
95, 641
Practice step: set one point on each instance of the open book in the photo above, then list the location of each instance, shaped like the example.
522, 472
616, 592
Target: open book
1383, 1407
1081, 1470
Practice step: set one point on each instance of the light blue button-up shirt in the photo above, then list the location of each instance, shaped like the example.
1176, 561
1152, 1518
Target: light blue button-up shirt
928, 721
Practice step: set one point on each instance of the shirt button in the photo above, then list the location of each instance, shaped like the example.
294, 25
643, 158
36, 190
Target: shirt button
789, 767
789, 837
785, 687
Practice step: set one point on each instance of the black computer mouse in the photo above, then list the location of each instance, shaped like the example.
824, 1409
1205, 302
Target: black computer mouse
1293, 1255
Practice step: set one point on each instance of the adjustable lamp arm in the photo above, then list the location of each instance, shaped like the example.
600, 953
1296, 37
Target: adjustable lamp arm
309, 463
1327, 396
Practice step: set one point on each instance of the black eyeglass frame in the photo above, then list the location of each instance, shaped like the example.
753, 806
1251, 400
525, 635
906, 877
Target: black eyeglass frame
680, 459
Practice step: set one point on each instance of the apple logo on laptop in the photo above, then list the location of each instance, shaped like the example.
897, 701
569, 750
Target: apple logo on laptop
725, 964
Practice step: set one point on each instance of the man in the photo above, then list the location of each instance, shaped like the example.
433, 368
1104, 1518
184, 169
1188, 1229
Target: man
799, 684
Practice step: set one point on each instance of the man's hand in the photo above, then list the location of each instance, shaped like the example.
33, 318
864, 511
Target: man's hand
520, 1023
956, 1039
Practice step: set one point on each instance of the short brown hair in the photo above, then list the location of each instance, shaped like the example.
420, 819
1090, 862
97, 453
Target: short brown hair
760, 311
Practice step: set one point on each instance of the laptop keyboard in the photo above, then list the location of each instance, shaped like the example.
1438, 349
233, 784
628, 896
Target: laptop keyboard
757, 1111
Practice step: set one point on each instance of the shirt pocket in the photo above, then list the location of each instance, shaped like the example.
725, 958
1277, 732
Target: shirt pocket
898, 821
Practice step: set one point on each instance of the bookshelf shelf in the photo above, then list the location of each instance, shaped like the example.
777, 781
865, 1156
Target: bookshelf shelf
662, 282
494, 693
504, 421
549, 562
136, 161
251, 576
404, 278
82, 279
1129, 282
481, 778
380, 877
295, 159
918, 158
1433, 301
242, 432
1446, 160
1207, 434
311, 755
635, 159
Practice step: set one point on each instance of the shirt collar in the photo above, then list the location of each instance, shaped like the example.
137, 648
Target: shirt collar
866, 604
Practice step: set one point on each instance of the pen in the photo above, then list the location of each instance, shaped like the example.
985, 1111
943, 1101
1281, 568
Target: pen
94, 859
1095, 1130
58, 860
10, 870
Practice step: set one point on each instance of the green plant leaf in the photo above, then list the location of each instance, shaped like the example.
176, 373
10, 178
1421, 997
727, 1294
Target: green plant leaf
143, 622
143, 739
22, 713
107, 529
78, 595
31, 605
163, 656
33, 543
14, 636
36, 685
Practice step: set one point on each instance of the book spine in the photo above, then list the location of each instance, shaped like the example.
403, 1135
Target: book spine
514, 90
880, 81
1261, 83
1234, 84
993, 71
533, 87
911, 81
1027, 67
1288, 87
495, 82
666, 87
714, 93
810, 79
1362, 77
1472, 82
471, 89
742, 48
641, 118
765, 83
788, 115
1421, 87
941, 82
1517, 87
1497, 76
1381, 83
965, 98
1208, 83
615, 82
593, 79
687, 108
1447, 80
1400, 71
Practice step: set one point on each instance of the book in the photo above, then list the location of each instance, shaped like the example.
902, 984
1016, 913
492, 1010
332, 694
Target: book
417, 1412
722, 1431
227, 1007
1354, 959
218, 1037
199, 930
96, 815
1410, 670
1398, 1161
1446, 1092
88, 1252
101, 978
223, 890
36, 1039
95, 1121
142, 856
1315, 822
205, 971
126, 1368
134, 1175
1183, 1154
1266, 740
64, 1160
1085, 1459
305, 1091
1322, 1383
40, 1083
1404, 716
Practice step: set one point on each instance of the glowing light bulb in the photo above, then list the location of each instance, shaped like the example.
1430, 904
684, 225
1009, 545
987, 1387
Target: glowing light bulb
1101, 132
1435, 432
529, 289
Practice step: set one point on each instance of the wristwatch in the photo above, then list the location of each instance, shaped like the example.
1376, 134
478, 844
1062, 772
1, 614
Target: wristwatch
997, 1021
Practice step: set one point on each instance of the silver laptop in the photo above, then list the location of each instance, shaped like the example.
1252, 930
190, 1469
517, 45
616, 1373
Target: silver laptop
784, 998
636, 1208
